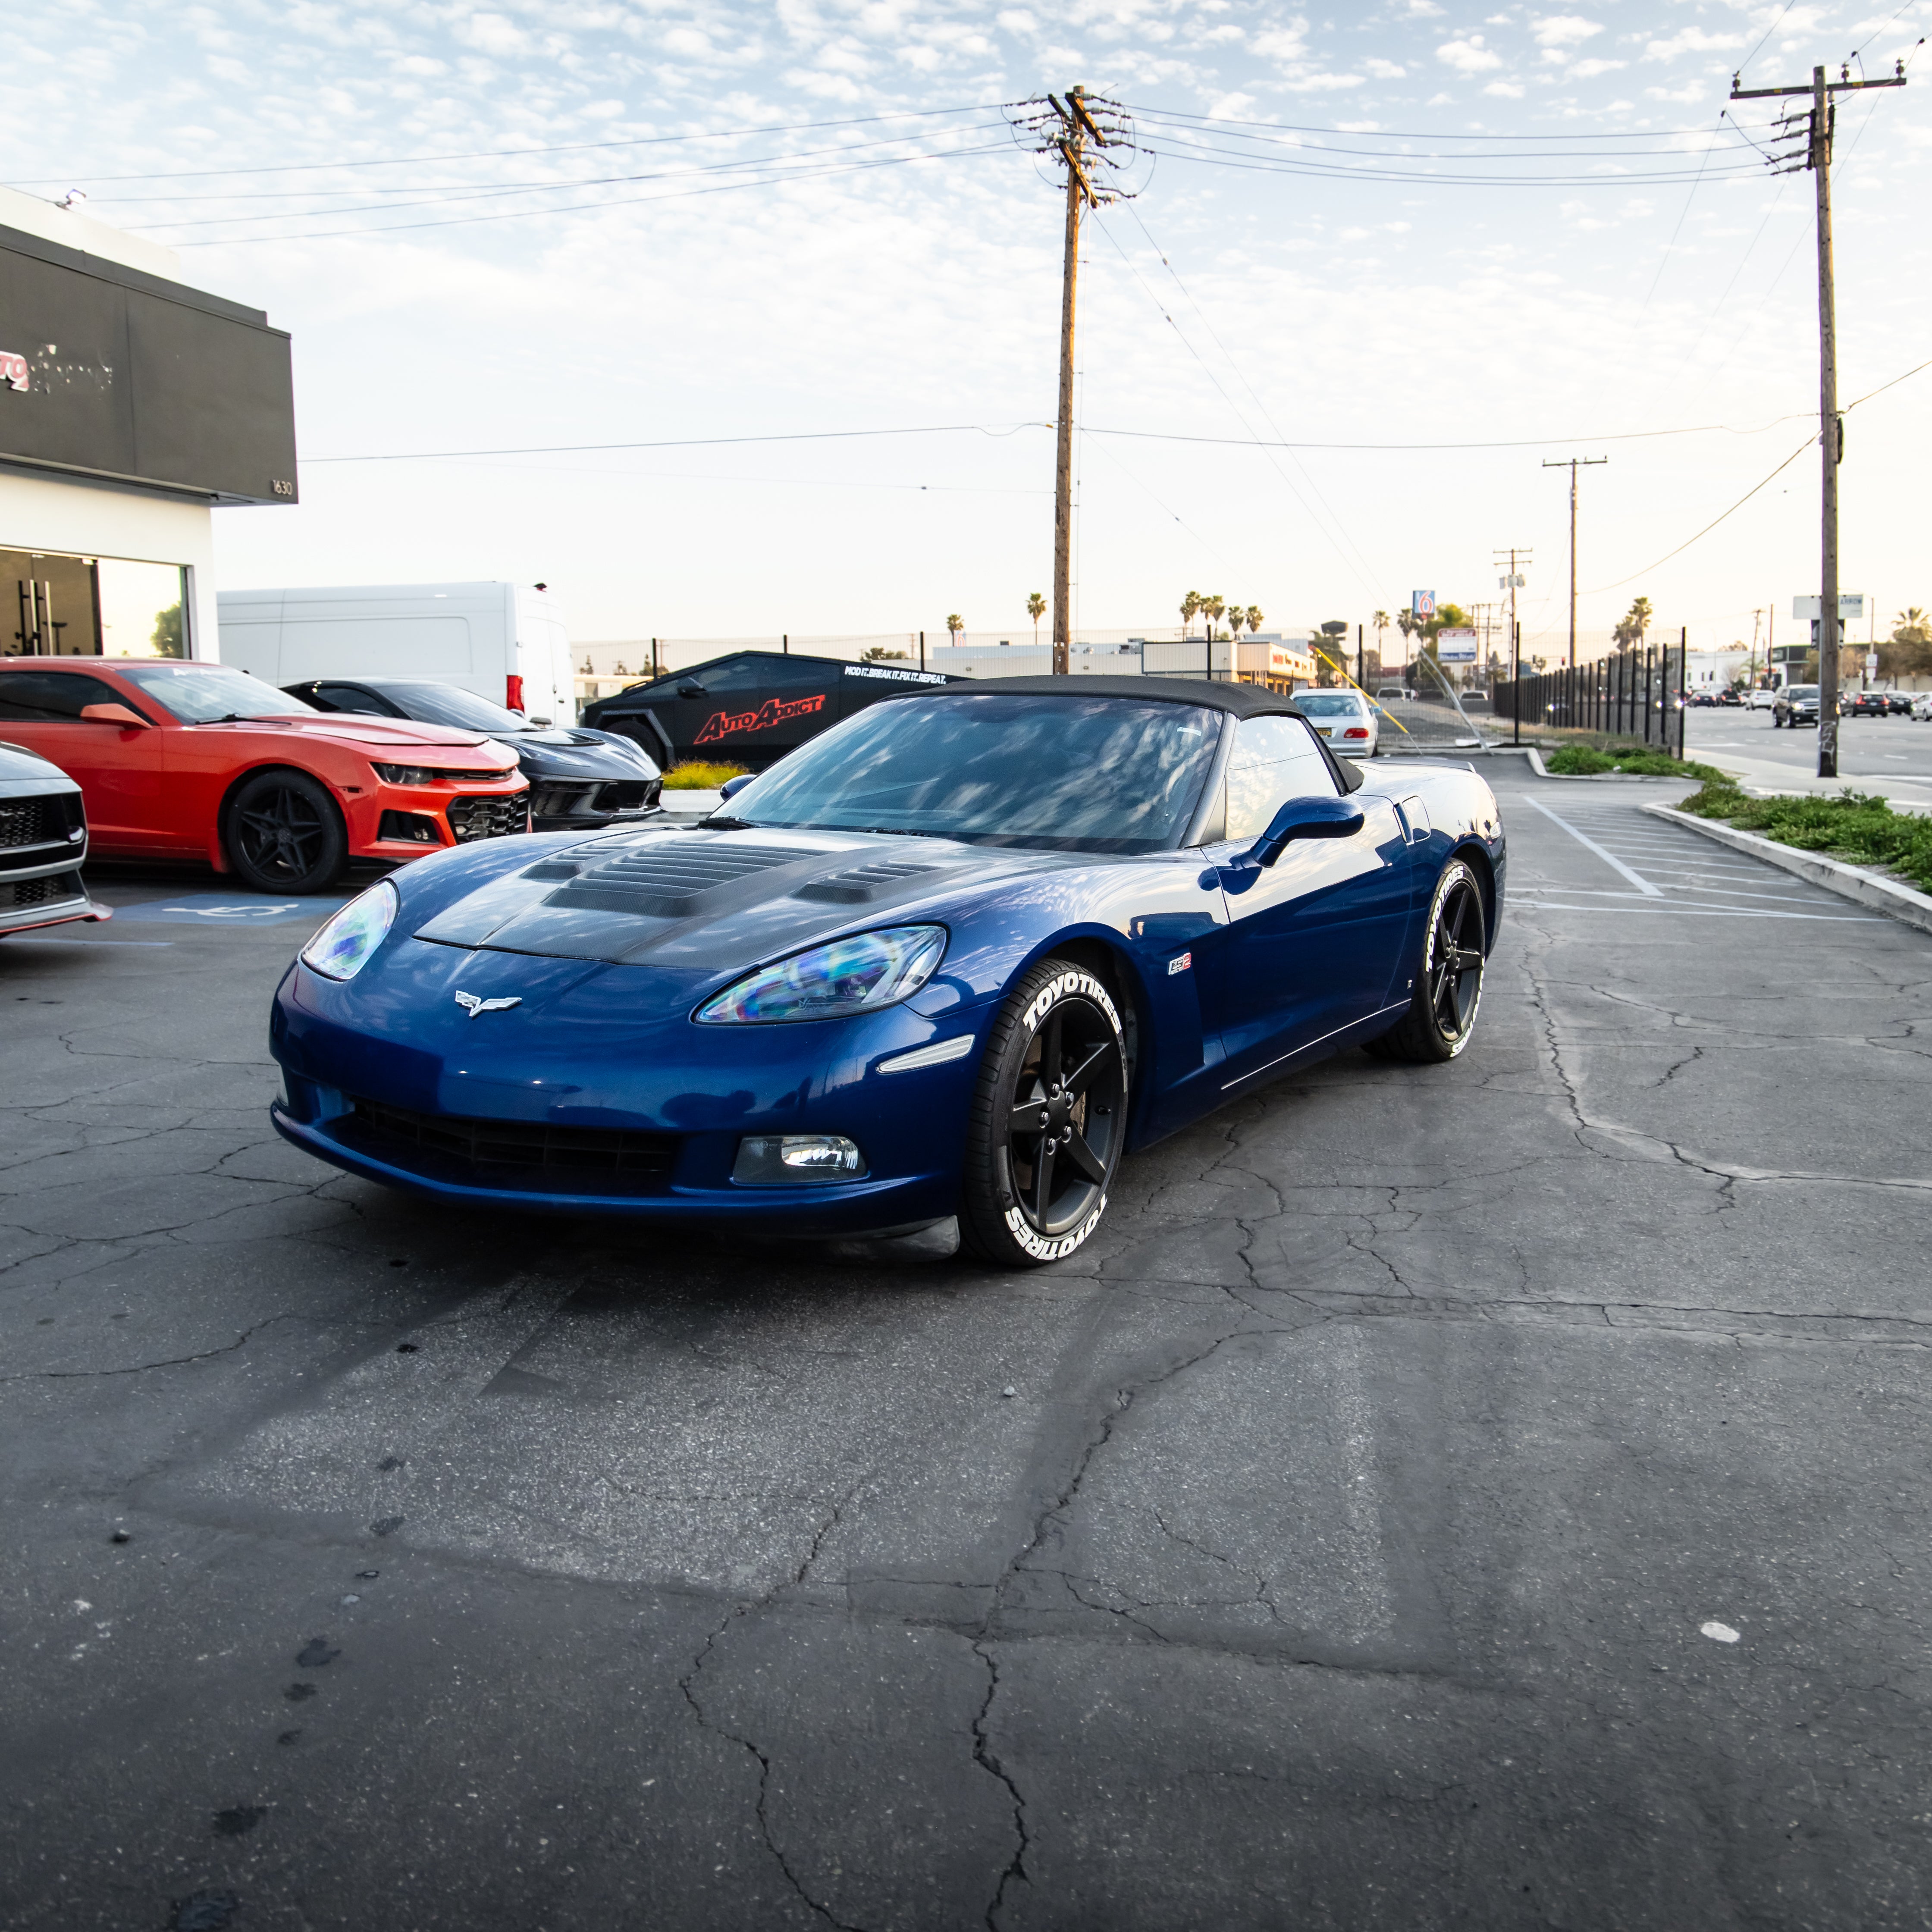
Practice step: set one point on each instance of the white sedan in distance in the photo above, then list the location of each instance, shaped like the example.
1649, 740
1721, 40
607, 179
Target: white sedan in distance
1345, 718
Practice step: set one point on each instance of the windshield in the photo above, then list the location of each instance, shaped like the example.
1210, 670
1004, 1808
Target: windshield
1328, 704
204, 694
448, 704
1070, 774
1802, 691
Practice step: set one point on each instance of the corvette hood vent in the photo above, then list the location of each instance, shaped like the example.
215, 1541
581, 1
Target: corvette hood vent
666, 879
863, 882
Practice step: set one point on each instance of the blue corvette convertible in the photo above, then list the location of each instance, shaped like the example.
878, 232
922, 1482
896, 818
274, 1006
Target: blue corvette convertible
957, 956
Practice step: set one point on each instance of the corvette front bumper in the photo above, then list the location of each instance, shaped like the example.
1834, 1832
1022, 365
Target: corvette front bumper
692, 1195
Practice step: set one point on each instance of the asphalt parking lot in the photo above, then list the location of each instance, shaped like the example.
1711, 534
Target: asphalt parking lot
1332, 1543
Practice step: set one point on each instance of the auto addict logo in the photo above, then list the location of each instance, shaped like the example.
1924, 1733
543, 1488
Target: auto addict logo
773, 711
14, 370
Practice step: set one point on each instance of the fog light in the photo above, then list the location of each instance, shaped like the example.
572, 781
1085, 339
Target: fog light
781, 1160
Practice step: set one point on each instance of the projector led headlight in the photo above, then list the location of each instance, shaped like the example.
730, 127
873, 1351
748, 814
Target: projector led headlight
346, 944
858, 975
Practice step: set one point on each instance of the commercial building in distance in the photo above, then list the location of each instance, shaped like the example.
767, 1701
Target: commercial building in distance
131, 405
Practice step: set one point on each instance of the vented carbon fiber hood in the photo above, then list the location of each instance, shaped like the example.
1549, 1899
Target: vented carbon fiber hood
695, 898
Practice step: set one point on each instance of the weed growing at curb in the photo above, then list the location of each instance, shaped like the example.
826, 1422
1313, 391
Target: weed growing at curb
1856, 826
1640, 761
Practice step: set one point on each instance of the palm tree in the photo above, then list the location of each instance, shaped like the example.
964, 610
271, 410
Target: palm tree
1236, 617
1036, 609
954, 624
1190, 609
1254, 619
1212, 607
1629, 634
1381, 621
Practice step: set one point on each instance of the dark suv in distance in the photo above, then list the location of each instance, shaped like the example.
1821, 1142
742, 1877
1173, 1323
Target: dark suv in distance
579, 780
1797, 704
751, 708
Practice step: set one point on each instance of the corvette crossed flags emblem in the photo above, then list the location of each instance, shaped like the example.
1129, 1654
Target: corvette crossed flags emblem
473, 1006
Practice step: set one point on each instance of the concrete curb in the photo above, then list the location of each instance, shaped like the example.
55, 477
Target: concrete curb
1851, 882
1529, 751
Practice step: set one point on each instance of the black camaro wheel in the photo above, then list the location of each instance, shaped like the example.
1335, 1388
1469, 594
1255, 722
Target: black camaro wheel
284, 834
1048, 1120
1442, 1013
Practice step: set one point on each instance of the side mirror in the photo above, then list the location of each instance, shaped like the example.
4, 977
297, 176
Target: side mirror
732, 787
1303, 818
114, 714
692, 691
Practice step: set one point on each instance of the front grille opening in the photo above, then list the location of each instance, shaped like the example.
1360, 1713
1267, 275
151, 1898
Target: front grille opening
40, 892
473, 818
627, 796
39, 821
514, 1153
410, 828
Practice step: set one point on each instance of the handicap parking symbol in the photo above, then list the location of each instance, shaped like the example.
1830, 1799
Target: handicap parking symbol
218, 909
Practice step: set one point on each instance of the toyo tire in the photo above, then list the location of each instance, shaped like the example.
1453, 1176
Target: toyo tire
1048, 1120
283, 834
1441, 1014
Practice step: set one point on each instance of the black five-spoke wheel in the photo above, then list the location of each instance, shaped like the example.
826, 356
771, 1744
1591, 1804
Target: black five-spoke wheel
284, 834
1048, 1121
1447, 987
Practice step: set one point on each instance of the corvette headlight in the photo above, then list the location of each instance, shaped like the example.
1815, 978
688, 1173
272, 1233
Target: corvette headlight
857, 975
343, 947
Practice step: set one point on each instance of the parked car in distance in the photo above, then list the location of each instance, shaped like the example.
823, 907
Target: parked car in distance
750, 708
1728, 697
187, 761
1797, 705
579, 779
43, 844
1345, 718
1703, 701
1899, 703
1391, 694
1763, 700
1922, 705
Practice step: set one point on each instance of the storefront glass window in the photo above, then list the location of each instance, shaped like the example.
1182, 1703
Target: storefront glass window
52, 606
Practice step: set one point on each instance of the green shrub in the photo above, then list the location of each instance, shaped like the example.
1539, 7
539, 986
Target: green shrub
1642, 761
1857, 825
695, 775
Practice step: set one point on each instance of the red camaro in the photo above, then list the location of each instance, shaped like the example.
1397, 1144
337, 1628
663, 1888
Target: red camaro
202, 761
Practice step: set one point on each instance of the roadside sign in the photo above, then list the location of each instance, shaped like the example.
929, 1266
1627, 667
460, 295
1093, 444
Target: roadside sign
1871, 664
1456, 647
1422, 604
1851, 608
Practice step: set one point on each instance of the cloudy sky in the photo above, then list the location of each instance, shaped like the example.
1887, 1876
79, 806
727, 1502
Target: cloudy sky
684, 223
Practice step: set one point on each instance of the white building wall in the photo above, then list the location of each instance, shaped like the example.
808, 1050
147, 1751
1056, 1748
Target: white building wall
77, 519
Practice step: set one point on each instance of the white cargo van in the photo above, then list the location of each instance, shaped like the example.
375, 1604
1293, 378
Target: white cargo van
504, 641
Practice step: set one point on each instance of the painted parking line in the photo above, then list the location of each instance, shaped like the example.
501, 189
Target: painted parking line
219, 909
1609, 859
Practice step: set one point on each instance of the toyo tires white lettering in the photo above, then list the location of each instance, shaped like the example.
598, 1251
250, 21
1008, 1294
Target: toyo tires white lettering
1042, 1249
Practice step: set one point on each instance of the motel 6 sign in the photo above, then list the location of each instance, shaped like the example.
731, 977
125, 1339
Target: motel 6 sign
1422, 604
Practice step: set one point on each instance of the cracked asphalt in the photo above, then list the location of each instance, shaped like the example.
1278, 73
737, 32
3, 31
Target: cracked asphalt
1341, 1559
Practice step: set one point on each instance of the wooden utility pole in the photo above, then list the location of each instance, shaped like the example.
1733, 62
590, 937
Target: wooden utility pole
1077, 189
1573, 463
1831, 424
1078, 131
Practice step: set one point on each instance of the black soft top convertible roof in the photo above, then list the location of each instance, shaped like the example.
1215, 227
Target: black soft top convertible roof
1244, 700
1241, 701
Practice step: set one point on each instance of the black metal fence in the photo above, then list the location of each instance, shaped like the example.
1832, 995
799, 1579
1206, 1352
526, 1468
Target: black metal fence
1635, 693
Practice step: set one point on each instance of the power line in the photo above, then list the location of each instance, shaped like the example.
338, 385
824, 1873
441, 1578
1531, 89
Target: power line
526, 154
1755, 487
485, 190
576, 208
1279, 128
